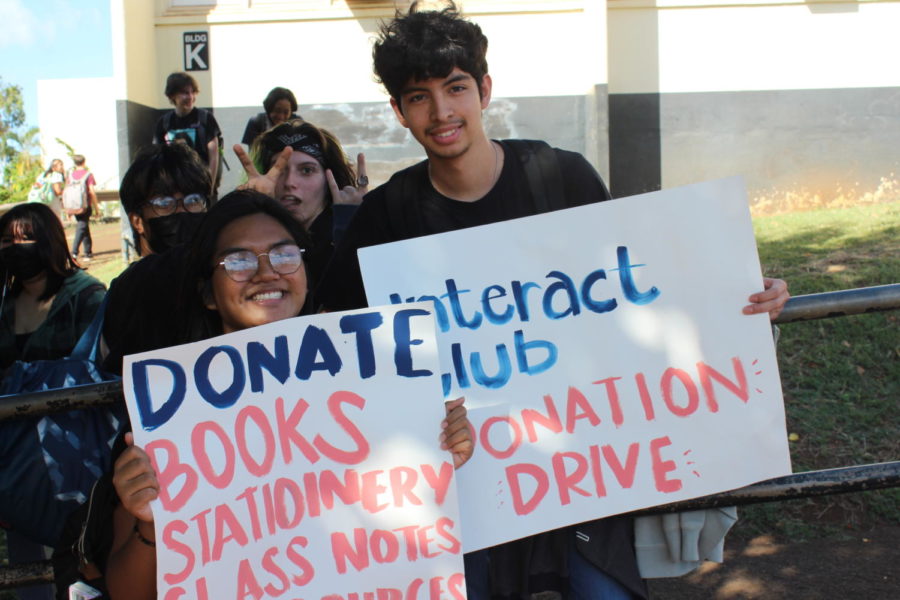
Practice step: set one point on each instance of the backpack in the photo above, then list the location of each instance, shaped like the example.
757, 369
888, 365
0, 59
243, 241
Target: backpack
541, 170
74, 196
36, 193
196, 137
50, 462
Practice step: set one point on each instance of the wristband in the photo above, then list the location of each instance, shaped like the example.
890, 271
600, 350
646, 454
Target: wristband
141, 537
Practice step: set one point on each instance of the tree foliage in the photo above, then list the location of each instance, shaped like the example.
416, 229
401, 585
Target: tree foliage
20, 155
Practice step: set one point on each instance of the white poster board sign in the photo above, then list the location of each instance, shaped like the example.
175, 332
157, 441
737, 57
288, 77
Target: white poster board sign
301, 456
602, 353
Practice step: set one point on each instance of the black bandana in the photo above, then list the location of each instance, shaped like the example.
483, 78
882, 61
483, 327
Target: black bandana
300, 142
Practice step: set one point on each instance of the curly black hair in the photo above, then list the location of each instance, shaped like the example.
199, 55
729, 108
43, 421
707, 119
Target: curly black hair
425, 44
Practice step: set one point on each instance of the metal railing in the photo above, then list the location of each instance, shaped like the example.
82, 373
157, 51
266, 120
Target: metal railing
798, 485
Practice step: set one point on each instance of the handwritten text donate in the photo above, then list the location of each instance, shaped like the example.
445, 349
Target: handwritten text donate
284, 467
603, 355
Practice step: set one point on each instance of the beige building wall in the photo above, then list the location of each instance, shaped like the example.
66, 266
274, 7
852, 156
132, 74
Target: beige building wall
547, 60
802, 98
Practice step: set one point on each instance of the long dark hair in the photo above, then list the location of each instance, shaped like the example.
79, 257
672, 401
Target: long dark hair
36, 221
197, 321
279, 93
50, 168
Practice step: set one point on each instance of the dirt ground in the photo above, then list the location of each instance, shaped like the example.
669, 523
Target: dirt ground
107, 244
865, 565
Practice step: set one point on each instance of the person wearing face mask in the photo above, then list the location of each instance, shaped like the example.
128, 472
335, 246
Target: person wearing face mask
46, 303
47, 300
164, 192
319, 186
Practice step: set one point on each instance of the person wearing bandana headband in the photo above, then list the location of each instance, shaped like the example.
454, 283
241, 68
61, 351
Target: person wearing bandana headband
47, 299
318, 185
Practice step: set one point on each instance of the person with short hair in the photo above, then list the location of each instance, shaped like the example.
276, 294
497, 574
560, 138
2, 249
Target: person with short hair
83, 219
165, 193
433, 64
279, 106
194, 126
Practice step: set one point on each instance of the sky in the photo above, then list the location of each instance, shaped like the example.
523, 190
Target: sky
53, 39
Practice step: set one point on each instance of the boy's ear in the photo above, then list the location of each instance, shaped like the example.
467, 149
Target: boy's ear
399, 112
486, 85
138, 223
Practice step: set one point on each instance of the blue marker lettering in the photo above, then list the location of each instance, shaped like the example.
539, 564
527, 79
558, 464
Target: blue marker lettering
597, 306
504, 369
627, 280
315, 343
231, 394
403, 343
565, 284
522, 348
456, 307
258, 358
362, 325
151, 419
492, 316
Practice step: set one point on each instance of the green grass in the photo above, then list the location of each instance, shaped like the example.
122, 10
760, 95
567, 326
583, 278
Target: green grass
841, 376
108, 271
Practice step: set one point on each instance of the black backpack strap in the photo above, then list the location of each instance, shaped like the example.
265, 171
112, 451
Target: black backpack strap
401, 192
542, 171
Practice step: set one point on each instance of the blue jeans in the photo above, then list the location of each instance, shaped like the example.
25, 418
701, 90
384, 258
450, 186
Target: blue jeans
82, 234
478, 575
587, 582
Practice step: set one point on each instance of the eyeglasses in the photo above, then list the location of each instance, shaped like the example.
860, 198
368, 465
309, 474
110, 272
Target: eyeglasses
164, 206
242, 265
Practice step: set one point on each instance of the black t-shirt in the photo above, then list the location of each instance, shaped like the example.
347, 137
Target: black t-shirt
197, 128
142, 309
259, 124
376, 221
535, 563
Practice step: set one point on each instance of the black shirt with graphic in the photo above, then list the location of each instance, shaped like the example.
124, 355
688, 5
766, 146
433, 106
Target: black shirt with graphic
196, 128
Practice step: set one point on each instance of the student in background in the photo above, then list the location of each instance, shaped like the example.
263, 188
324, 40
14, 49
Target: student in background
279, 106
195, 126
80, 184
48, 187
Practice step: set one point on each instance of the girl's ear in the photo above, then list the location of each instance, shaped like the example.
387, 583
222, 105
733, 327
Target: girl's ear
204, 288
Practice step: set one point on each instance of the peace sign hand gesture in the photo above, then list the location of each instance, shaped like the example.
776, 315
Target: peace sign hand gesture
350, 194
262, 183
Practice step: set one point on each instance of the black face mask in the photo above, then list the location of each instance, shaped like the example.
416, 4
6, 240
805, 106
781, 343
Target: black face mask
172, 230
22, 261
